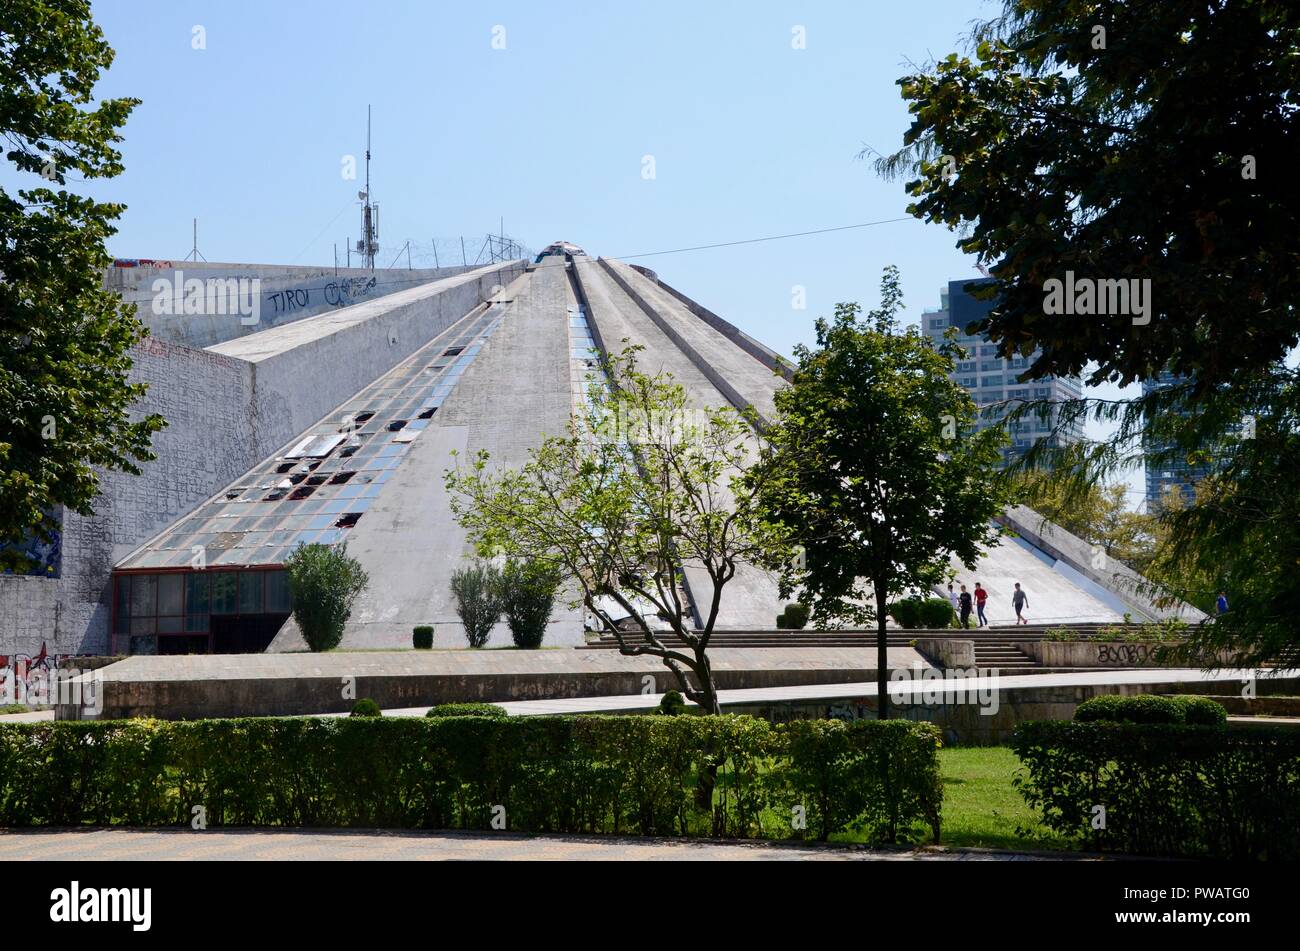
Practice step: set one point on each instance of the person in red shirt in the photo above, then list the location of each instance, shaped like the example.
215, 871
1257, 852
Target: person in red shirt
981, 595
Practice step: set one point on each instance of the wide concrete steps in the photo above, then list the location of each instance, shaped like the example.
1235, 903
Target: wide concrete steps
988, 639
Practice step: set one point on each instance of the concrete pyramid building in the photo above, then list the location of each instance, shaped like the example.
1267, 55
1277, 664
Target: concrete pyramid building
336, 422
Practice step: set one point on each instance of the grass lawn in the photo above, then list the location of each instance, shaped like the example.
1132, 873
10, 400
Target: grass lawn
980, 806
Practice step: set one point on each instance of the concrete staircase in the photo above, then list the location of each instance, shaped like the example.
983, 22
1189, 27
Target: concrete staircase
993, 645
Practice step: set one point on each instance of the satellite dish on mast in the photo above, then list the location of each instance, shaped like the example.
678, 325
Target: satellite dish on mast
361, 195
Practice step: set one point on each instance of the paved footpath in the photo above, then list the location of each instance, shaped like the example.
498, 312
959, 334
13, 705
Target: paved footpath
352, 845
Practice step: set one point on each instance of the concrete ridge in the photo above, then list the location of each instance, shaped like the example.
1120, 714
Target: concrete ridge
704, 366
764, 355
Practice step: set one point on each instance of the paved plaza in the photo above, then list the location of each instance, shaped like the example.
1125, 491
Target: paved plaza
119, 845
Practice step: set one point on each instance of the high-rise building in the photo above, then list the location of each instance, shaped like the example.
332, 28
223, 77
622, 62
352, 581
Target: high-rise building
994, 381
1165, 475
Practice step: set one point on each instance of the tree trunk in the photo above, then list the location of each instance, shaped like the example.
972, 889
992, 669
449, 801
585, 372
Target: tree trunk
882, 659
704, 670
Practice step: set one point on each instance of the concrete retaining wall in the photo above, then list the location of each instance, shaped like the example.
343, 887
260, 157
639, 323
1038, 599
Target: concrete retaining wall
963, 724
284, 294
1118, 654
294, 684
948, 652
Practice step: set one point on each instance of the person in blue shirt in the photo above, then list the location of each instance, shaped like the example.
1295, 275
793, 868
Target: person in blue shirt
1221, 605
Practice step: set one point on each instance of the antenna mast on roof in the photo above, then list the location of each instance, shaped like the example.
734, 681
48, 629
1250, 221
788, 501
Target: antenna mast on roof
194, 251
368, 246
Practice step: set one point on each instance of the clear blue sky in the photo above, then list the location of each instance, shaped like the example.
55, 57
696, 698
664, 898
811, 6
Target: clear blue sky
750, 137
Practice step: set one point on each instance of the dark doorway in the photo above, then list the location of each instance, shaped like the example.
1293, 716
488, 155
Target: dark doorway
244, 633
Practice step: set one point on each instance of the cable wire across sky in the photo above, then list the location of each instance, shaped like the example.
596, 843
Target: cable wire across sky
774, 237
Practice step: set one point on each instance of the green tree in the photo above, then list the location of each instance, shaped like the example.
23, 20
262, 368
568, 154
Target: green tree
642, 486
875, 469
1099, 515
324, 582
527, 595
477, 590
1151, 140
64, 340
1148, 141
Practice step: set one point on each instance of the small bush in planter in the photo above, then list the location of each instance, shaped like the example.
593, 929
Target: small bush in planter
422, 637
365, 707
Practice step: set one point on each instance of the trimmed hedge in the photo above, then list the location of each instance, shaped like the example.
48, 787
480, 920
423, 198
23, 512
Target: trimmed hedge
422, 637
1147, 708
937, 613
1167, 789
794, 617
729, 776
913, 613
365, 707
466, 710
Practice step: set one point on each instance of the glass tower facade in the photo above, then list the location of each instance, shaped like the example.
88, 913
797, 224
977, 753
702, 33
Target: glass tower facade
1168, 475
992, 380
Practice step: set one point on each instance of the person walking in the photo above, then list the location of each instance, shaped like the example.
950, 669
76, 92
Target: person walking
1220, 604
981, 595
952, 599
964, 606
1020, 601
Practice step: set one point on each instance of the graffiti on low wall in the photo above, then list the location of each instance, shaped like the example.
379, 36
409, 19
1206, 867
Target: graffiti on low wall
47, 680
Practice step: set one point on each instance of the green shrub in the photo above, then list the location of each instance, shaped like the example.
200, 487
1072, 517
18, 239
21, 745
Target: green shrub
873, 775
794, 617
526, 593
1172, 708
936, 613
907, 613
1204, 711
730, 776
422, 637
477, 593
324, 582
1167, 789
365, 707
466, 710
672, 703
1061, 634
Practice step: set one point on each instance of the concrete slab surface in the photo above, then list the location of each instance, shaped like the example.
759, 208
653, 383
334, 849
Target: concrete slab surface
352, 845
852, 691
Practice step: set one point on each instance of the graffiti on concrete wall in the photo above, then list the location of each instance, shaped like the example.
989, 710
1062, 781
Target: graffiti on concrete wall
344, 292
335, 294
1128, 655
48, 679
287, 301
